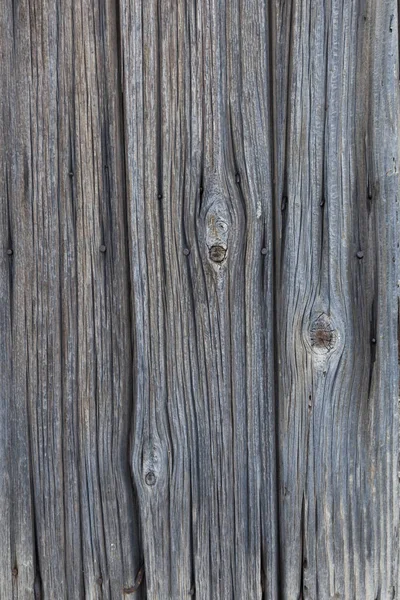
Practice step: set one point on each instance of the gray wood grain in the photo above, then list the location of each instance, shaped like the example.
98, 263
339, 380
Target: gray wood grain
200, 214
337, 307
70, 518
199, 300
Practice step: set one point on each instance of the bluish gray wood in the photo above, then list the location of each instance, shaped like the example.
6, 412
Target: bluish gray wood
200, 199
69, 525
199, 300
336, 133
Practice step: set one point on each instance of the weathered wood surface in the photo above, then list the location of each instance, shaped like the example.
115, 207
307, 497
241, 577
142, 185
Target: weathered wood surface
199, 299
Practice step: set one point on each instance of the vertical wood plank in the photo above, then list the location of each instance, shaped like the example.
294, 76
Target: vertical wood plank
338, 378
18, 558
203, 432
72, 521
11, 515
110, 544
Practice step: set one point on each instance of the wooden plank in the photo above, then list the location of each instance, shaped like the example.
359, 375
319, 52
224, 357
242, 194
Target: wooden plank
71, 519
337, 302
200, 215
110, 548
18, 572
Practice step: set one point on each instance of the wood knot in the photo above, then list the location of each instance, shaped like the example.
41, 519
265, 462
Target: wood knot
217, 254
323, 336
218, 229
150, 478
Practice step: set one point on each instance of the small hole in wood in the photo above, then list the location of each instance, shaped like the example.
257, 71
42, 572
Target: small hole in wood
217, 254
150, 478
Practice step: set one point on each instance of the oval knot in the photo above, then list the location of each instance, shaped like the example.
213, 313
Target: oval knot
323, 335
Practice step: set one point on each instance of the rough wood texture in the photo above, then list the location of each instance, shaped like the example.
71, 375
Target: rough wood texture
70, 526
199, 299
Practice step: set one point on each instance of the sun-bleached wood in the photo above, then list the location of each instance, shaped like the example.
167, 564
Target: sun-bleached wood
199, 300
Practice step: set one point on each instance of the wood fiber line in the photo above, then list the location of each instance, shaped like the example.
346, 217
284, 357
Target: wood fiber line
337, 306
71, 524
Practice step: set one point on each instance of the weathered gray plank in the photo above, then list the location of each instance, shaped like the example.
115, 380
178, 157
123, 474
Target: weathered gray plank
200, 213
18, 536
71, 519
338, 376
